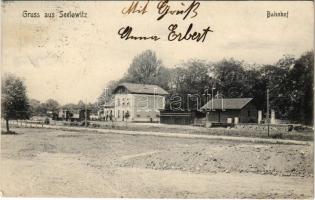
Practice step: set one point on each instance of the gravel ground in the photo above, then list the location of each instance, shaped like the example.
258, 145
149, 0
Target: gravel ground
55, 163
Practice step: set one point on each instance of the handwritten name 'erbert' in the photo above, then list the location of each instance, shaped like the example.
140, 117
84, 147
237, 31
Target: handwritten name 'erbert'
197, 36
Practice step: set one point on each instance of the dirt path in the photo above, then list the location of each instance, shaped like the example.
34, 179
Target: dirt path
63, 175
54, 163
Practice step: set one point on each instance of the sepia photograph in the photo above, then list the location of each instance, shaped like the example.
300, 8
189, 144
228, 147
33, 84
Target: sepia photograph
157, 99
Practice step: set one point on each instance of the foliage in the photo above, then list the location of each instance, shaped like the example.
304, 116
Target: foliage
189, 81
144, 68
290, 82
81, 105
106, 95
300, 86
14, 102
38, 108
70, 106
51, 105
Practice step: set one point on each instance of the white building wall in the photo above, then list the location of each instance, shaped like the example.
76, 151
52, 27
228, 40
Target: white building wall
141, 107
123, 104
147, 107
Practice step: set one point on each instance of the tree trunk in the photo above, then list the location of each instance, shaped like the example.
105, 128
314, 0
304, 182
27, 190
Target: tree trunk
7, 123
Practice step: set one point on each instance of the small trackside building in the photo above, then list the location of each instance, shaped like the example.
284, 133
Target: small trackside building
231, 110
138, 102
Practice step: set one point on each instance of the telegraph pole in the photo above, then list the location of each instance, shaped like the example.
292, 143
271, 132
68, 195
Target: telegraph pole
223, 104
212, 96
268, 107
85, 114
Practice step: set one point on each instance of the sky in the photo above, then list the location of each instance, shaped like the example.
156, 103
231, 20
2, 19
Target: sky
73, 59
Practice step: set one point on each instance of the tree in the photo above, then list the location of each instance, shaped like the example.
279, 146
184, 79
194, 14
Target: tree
51, 105
81, 105
94, 107
106, 96
230, 78
300, 89
36, 107
144, 68
69, 106
162, 78
290, 82
14, 101
189, 82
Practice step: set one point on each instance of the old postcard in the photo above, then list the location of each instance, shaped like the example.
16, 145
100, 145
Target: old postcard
157, 99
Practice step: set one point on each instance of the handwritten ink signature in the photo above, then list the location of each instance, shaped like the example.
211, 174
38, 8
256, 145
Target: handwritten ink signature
164, 9
135, 8
126, 34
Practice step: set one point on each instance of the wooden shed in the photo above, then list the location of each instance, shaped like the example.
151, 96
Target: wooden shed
231, 110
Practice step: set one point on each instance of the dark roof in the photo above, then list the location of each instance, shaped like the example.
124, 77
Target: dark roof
232, 103
142, 88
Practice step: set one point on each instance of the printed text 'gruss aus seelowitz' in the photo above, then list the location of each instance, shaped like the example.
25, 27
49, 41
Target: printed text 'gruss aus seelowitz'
60, 14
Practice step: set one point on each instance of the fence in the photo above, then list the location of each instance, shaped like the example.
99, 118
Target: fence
264, 127
24, 123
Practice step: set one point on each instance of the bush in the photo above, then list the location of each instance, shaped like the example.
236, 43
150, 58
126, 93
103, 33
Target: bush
8, 133
277, 136
95, 125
